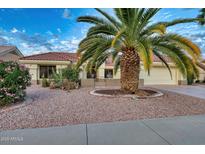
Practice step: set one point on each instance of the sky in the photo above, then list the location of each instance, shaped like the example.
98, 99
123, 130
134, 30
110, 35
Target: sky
36, 31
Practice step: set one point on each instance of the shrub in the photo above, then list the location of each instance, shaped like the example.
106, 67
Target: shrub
66, 84
197, 81
58, 79
71, 73
14, 79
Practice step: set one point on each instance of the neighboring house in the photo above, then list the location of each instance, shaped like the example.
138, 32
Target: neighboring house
43, 65
9, 53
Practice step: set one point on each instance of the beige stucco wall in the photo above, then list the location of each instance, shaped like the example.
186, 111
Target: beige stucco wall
33, 66
201, 75
159, 74
60, 67
33, 70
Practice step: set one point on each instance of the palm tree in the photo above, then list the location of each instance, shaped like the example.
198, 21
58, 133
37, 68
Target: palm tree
130, 38
202, 15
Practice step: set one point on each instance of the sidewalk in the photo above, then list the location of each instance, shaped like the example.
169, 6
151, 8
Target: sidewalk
177, 130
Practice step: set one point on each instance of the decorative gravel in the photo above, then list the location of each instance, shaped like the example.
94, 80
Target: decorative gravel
56, 108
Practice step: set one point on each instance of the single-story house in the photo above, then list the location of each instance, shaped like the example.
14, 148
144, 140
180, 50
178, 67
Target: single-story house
10, 53
42, 65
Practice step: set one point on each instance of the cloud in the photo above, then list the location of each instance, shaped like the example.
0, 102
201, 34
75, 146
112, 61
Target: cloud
37, 43
25, 45
14, 30
49, 33
59, 30
168, 16
66, 14
53, 40
3, 41
31, 41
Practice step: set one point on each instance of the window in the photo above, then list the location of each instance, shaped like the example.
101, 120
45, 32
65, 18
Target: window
47, 71
108, 73
91, 74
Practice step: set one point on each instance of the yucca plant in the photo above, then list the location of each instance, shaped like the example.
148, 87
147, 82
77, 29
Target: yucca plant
58, 78
129, 37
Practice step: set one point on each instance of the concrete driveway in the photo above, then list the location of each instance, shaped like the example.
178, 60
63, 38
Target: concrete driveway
195, 91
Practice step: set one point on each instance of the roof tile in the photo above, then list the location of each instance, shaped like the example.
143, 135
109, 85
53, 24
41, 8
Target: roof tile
65, 56
53, 56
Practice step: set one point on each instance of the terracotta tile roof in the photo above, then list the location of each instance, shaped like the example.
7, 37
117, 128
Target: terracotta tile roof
65, 56
6, 48
53, 56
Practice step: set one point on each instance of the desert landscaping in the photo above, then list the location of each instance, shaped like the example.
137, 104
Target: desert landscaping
46, 107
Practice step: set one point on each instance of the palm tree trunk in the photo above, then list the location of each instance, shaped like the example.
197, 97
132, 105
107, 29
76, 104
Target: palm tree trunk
130, 70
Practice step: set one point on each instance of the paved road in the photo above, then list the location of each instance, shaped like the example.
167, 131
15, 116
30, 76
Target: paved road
177, 130
195, 91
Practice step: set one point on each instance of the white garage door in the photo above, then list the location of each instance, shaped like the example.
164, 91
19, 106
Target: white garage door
159, 75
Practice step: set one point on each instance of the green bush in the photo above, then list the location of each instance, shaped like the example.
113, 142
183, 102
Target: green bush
71, 74
14, 79
58, 79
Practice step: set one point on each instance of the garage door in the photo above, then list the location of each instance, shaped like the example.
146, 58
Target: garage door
159, 75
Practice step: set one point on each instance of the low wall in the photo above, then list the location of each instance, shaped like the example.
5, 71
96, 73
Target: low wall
87, 83
103, 82
182, 82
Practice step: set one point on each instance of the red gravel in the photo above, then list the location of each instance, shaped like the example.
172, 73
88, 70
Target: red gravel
57, 108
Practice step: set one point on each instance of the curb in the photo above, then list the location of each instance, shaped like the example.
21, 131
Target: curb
158, 94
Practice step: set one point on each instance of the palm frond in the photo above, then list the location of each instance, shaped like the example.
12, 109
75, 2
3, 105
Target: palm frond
110, 18
116, 64
158, 28
185, 44
145, 53
180, 21
102, 29
164, 61
92, 20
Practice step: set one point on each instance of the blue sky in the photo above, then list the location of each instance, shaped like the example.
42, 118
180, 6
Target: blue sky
41, 30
